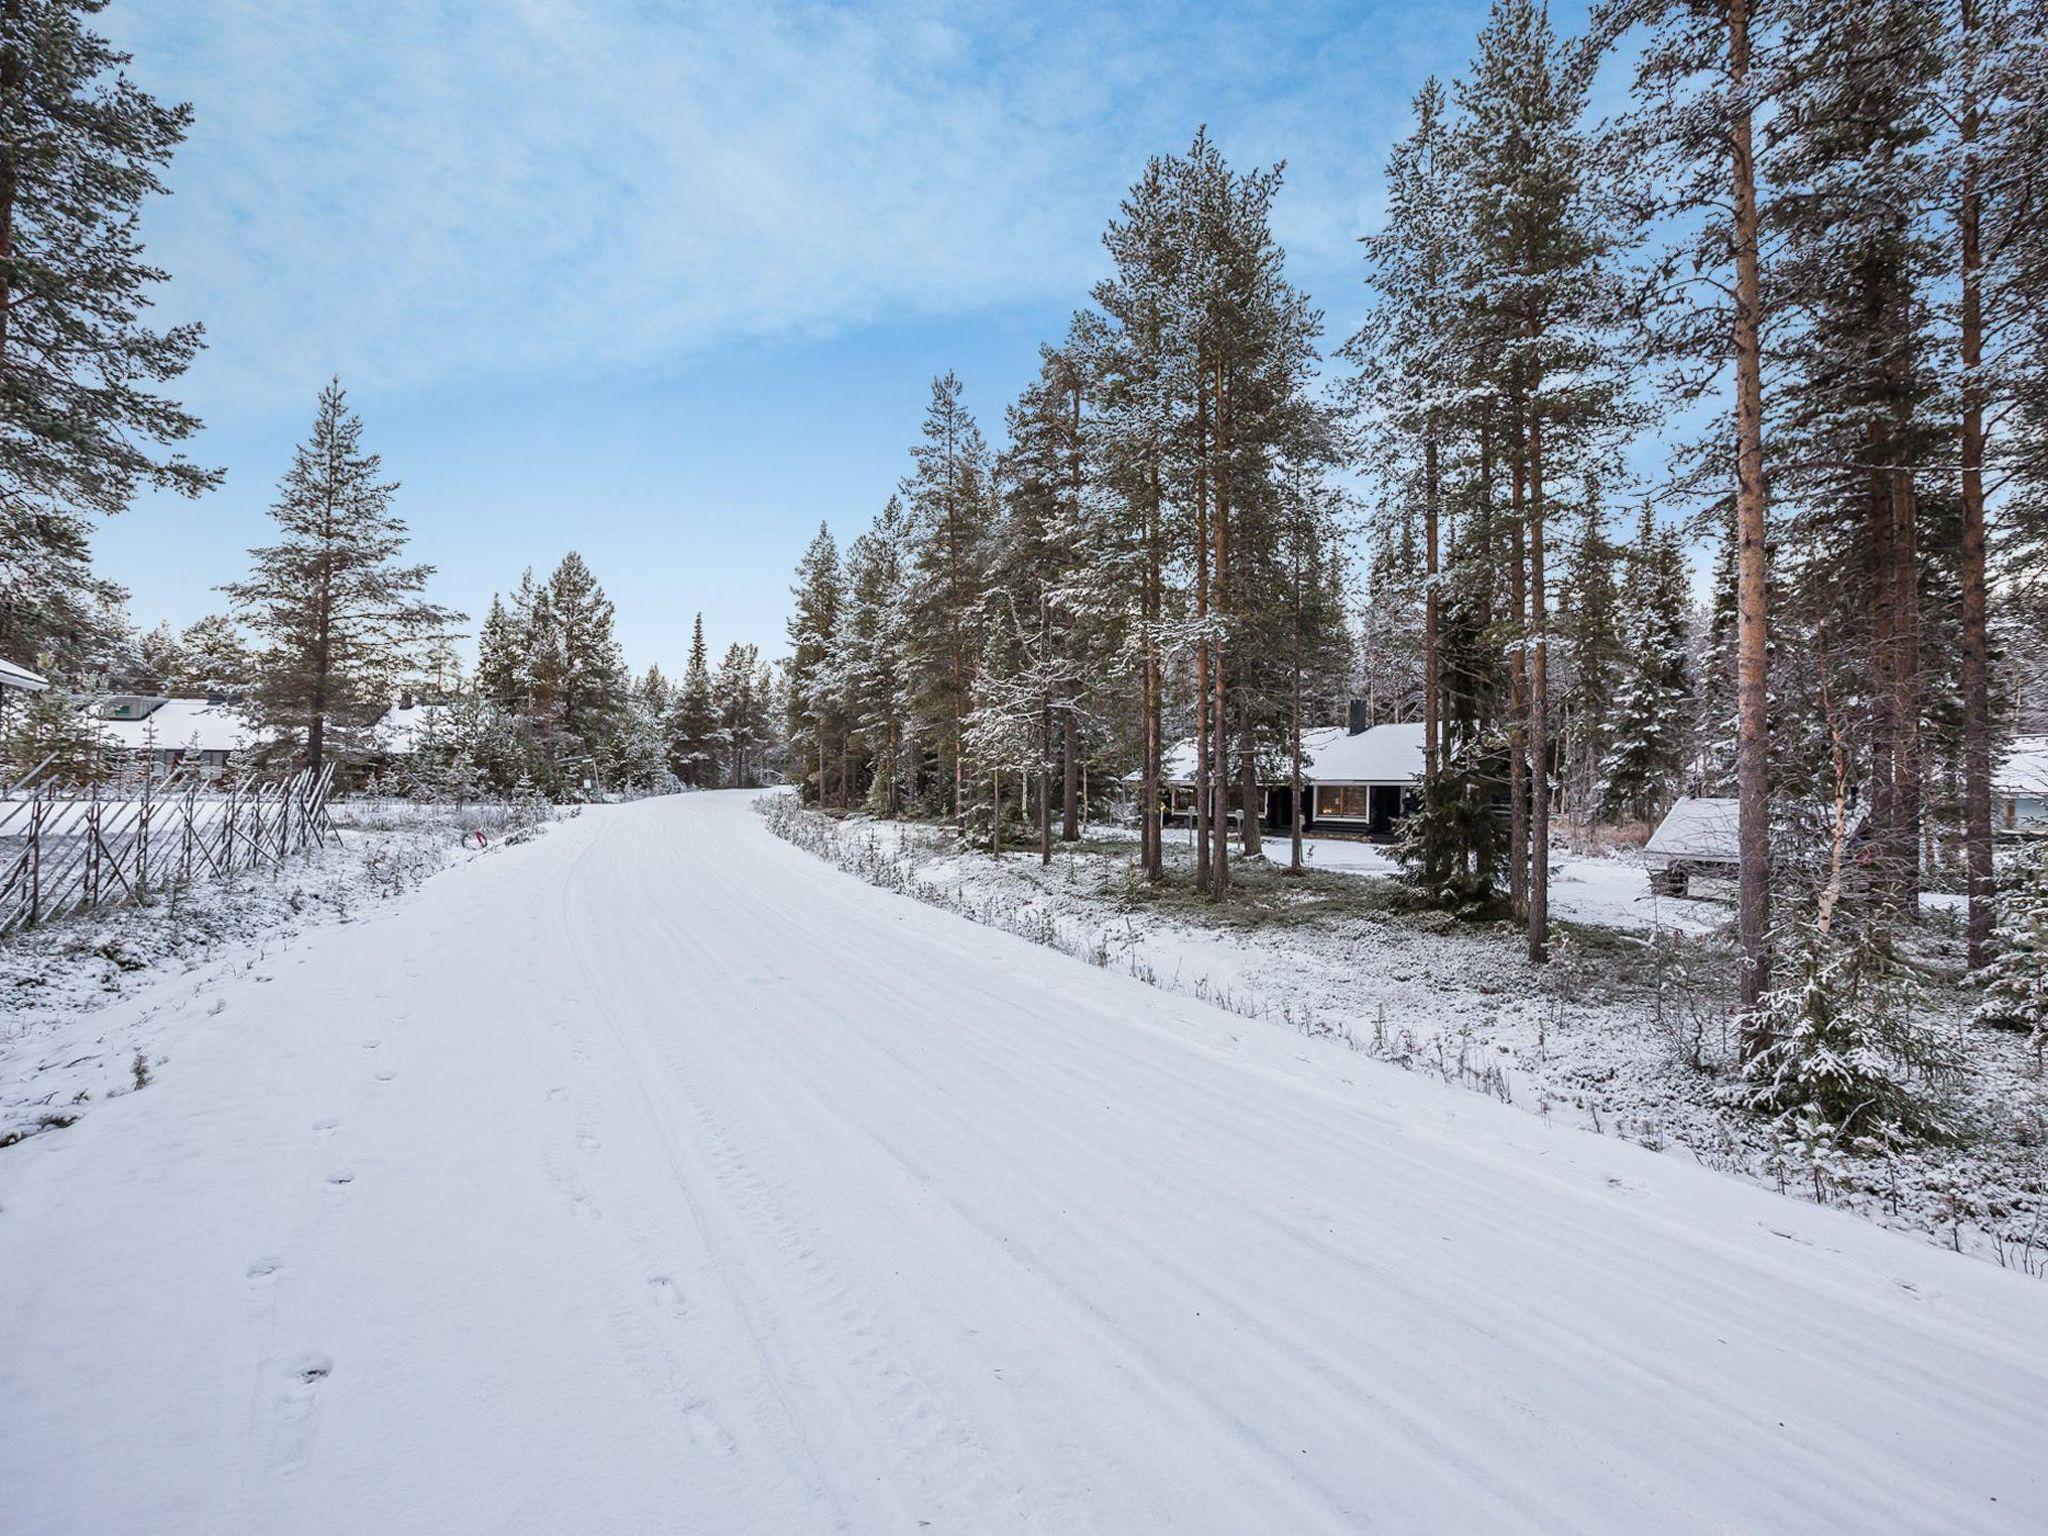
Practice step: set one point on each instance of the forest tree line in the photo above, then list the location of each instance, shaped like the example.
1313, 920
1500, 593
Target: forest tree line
1782, 312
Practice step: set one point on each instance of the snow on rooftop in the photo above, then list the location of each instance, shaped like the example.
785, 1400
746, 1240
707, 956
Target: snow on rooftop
1384, 754
1381, 754
399, 729
1704, 828
191, 725
12, 676
2024, 768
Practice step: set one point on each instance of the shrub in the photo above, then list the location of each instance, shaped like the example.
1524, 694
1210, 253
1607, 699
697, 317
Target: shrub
1848, 1058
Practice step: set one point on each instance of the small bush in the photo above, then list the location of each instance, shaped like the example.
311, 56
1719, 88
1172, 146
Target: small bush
1848, 1059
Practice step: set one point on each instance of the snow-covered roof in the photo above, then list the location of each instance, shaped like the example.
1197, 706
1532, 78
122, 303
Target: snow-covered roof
399, 729
191, 725
1381, 754
1705, 828
12, 676
2024, 768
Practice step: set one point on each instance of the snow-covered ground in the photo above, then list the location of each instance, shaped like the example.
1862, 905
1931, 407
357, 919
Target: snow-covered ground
654, 1176
1627, 1033
84, 1001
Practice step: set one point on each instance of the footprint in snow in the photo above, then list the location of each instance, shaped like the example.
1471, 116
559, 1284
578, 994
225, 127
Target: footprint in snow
588, 1142
666, 1294
558, 1094
326, 1126
263, 1271
386, 1075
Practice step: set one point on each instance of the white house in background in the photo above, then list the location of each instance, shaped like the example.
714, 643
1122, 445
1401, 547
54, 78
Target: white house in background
2019, 789
1356, 781
207, 733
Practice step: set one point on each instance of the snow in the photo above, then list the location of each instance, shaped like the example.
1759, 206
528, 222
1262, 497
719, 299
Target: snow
182, 724
2024, 768
1628, 1032
401, 728
12, 676
1702, 828
1380, 754
652, 1175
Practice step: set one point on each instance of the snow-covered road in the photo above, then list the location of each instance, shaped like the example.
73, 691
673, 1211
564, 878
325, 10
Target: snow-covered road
655, 1177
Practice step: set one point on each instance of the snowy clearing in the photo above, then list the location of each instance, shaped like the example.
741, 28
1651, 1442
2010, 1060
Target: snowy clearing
653, 1175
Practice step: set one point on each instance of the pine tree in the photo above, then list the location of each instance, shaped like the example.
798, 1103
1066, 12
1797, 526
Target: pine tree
82, 147
1706, 71
578, 677
814, 703
1416, 377
742, 703
1548, 300
214, 657
337, 613
1646, 759
693, 720
946, 496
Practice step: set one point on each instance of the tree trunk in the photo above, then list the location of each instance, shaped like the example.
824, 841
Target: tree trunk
1905, 670
1070, 787
1518, 683
1431, 725
1975, 639
1220, 602
1752, 729
1045, 782
1252, 839
1152, 854
1539, 711
1294, 864
1202, 806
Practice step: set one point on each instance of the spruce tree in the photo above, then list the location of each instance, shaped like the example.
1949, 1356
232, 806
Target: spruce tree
813, 701
1646, 756
336, 611
579, 679
946, 496
82, 147
741, 702
693, 720
868, 662
214, 657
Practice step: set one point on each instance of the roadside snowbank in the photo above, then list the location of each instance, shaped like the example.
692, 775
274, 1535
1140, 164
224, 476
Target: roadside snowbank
82, 1015
1625, 1034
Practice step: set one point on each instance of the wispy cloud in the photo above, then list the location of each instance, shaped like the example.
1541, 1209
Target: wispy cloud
418, 193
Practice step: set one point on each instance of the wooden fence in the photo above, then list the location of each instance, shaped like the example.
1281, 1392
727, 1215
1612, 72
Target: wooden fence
71, 848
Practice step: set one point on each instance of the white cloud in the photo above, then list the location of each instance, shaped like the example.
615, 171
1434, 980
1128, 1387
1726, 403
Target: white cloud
420, 193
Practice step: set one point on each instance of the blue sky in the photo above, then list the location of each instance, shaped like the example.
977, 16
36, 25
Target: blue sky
667, 283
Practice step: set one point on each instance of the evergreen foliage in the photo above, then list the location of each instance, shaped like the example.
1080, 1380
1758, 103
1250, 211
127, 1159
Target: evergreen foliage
338, 614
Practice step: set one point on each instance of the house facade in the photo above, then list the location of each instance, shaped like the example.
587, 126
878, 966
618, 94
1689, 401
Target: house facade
2019, 789
1357, 783
208, 734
